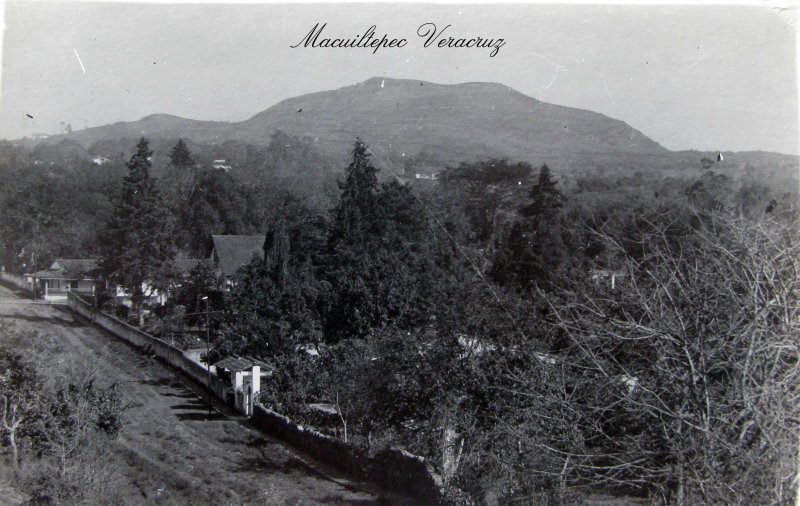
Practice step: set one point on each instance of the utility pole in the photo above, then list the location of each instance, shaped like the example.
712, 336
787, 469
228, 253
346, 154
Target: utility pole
208, 341
208, 349
35, 281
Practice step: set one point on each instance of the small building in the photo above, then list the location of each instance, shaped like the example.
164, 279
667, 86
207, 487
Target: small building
100, 160
66, 275
221, 165
245, 375
231, 252
181, 268
152, 295
607, 276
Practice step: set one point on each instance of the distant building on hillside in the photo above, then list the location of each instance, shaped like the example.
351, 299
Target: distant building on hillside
230, 252
432, 176
100, 160
607, 276
220, 164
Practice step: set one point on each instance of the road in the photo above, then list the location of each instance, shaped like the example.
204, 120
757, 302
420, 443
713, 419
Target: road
174, 444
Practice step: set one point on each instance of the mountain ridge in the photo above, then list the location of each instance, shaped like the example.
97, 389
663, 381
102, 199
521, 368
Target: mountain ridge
407, 118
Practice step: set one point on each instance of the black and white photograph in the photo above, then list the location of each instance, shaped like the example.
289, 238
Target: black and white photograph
399, 253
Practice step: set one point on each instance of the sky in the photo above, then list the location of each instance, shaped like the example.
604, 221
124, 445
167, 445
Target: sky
690, 77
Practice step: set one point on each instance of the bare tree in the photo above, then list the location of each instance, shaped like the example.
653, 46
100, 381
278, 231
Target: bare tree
19, 389
685, 380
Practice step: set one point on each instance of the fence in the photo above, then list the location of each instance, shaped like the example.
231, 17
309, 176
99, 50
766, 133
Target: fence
393, 469
17, 282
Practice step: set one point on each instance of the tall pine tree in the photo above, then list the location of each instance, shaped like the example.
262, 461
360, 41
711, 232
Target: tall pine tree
534, 249
371, 266
356, 216
180, 175
137, 244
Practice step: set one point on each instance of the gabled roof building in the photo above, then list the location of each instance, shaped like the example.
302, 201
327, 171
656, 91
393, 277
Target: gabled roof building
230, 252
66, 275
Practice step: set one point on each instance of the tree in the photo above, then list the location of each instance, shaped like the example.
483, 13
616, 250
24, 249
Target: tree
371, 264
488, 190
275, 304
180, 176
137, 244
180, 156
186, 298
71, 417
19, 386
688, 375
72, 440
218, 204
355, 216
534, 248
546, 200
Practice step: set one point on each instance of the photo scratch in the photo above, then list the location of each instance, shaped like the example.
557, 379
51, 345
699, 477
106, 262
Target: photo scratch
80, 61
556, 69
608, 91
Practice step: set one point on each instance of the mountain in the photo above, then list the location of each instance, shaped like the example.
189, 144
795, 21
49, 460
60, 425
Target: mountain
404, 120
461, 120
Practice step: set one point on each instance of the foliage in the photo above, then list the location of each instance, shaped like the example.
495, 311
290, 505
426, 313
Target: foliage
692, 389
373, 260
214, 202
534, 248
489, 191
137, 244
60, 436
19, 387
615, 329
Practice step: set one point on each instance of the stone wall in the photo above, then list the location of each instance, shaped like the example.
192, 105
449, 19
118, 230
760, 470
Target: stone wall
395, 470
150, 345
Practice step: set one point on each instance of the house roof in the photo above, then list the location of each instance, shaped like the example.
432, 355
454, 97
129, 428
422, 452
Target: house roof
234, 251
69, 268
185, 265
236, 364
76, 266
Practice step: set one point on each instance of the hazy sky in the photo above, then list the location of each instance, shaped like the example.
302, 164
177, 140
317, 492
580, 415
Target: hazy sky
713, 78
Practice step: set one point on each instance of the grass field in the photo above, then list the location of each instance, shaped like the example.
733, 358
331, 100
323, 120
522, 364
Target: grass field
175, 447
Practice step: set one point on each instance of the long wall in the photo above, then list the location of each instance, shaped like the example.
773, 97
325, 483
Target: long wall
16, 281
149, 344
392, 469
395, 470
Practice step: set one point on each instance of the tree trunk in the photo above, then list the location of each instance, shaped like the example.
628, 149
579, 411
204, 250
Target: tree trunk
62, 467
137, 301
797, 477
680, 493
12, 441
450, 453
10, 412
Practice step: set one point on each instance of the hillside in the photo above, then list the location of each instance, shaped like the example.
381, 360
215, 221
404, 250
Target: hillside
410, 126
458, 121
404, 119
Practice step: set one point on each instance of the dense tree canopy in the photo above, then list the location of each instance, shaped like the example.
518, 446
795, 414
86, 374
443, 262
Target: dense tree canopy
538, 336
137, 244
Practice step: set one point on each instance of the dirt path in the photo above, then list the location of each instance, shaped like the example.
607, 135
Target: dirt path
174, 448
